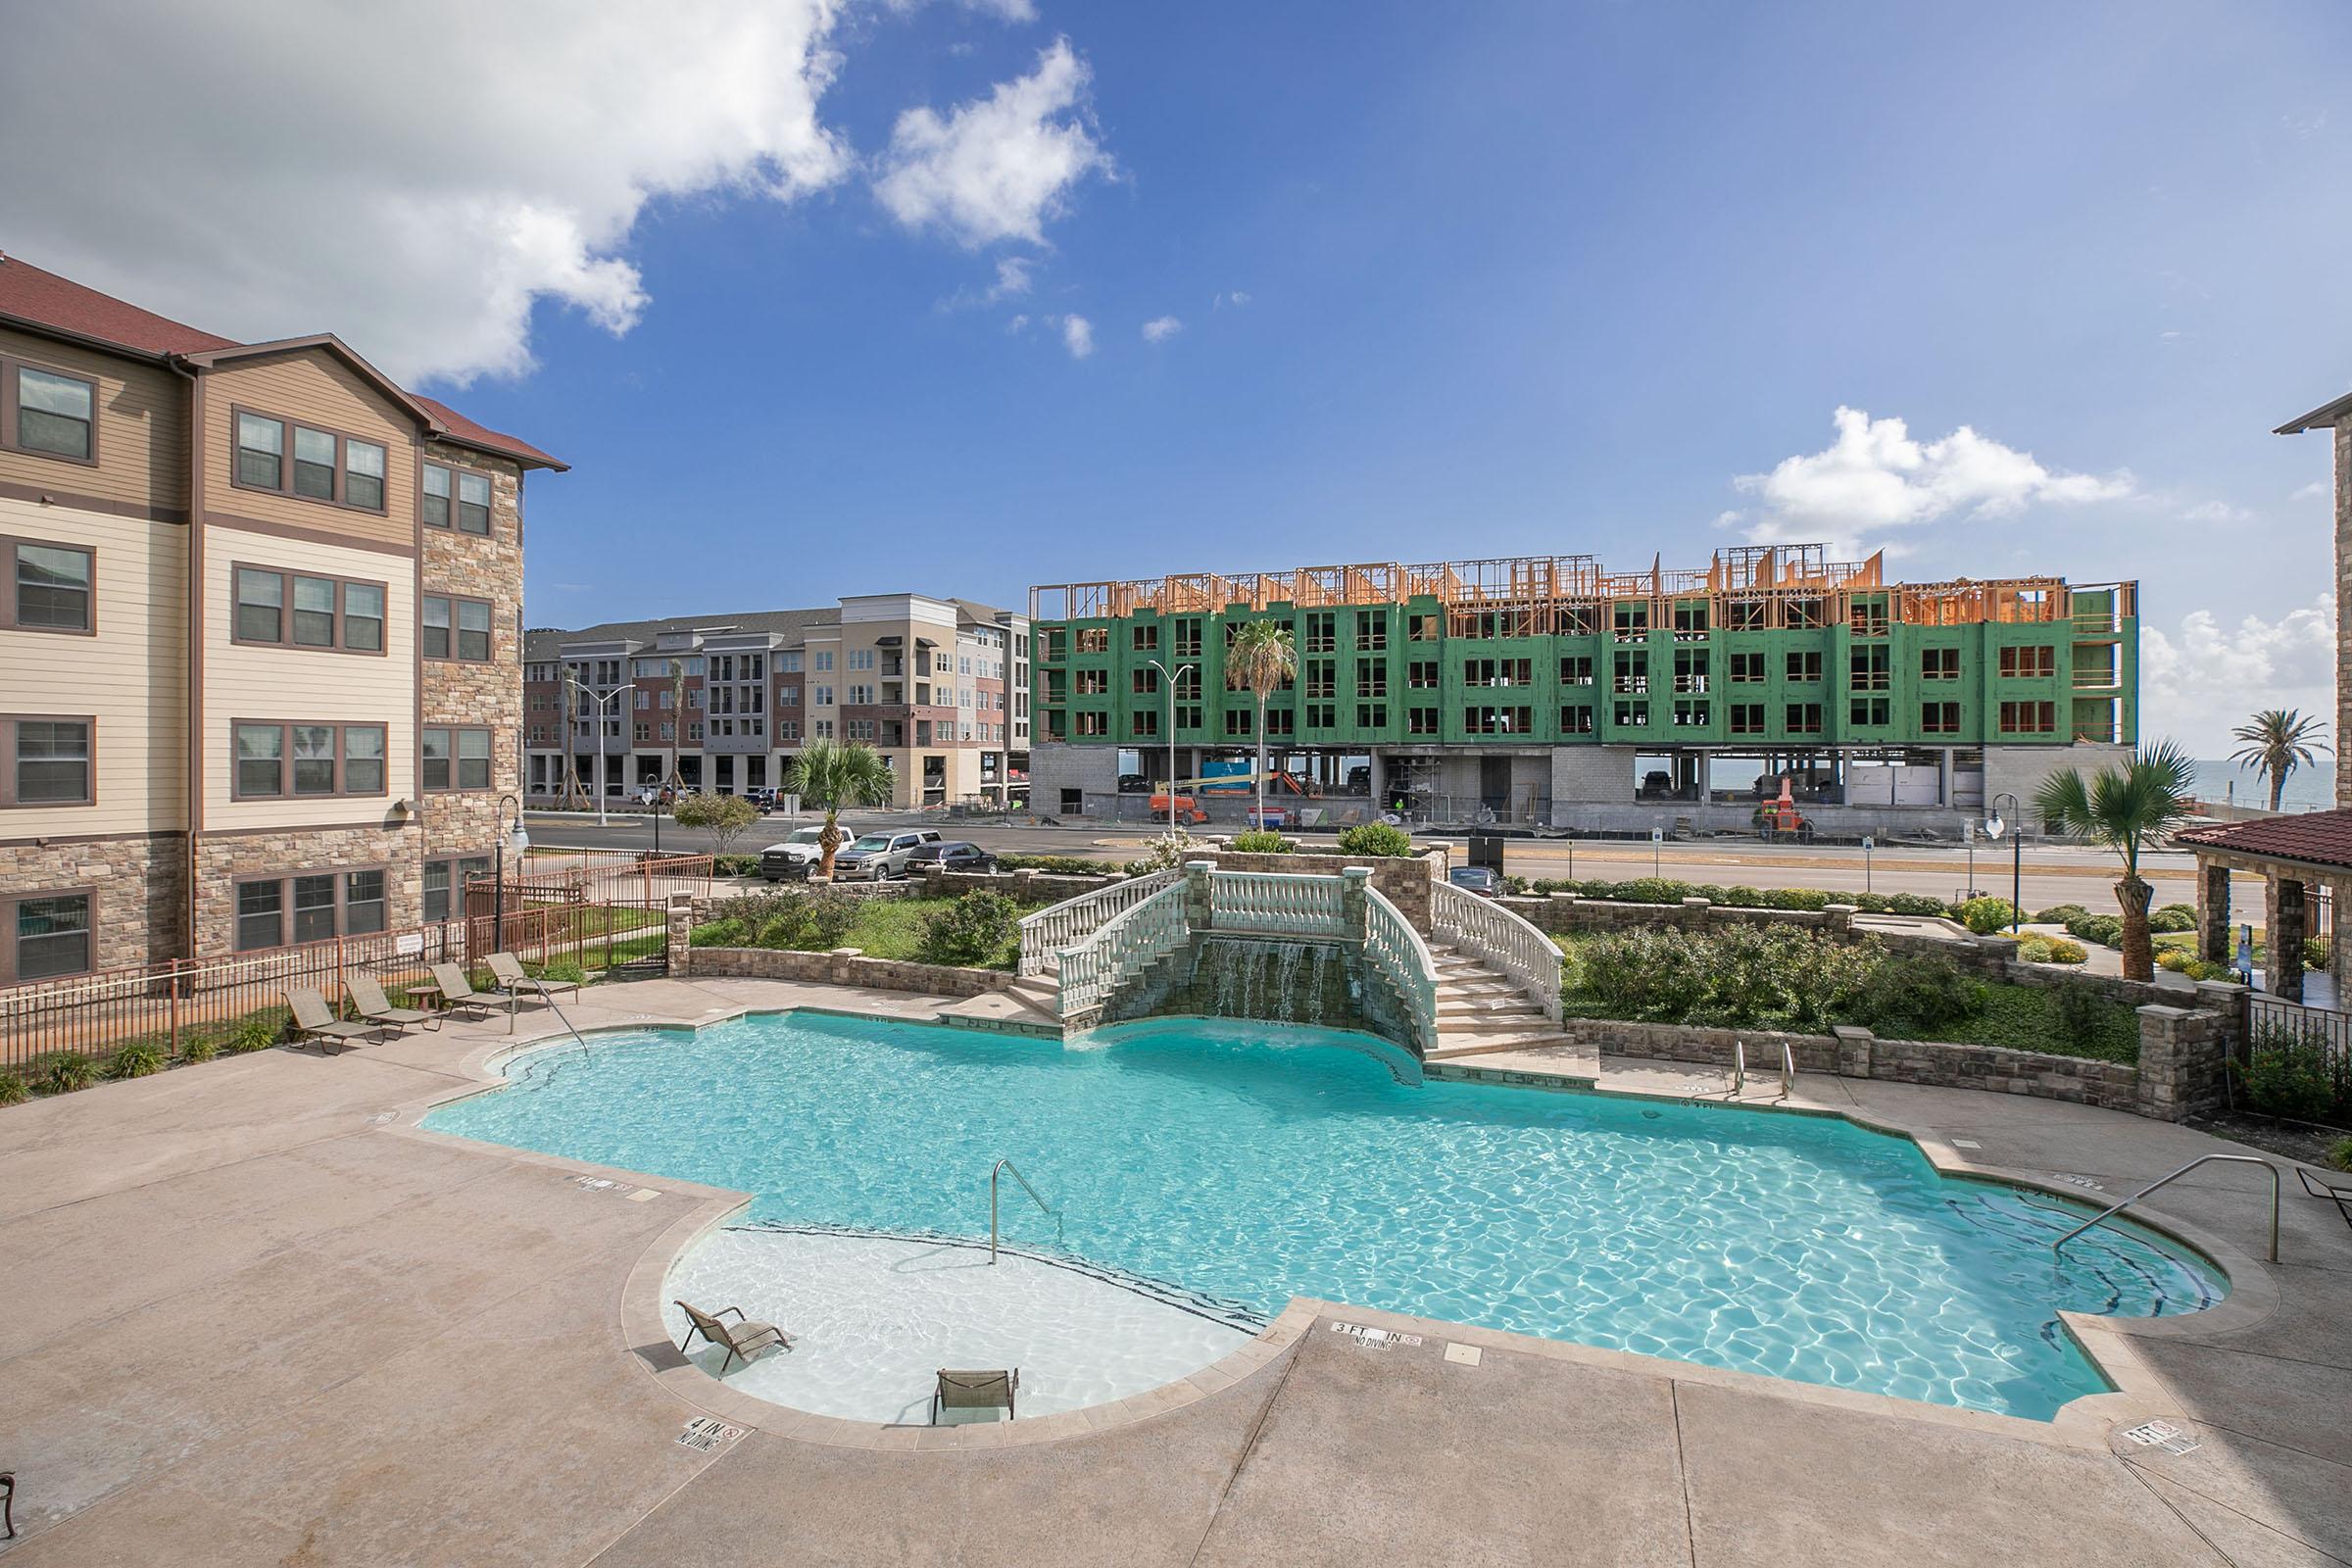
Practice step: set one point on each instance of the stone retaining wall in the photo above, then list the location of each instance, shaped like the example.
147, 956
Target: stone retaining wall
842, 966
1570, 915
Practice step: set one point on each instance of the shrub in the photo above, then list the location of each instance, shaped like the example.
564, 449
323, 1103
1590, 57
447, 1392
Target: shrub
2081, 1013
565, 970
199, 1048
138, 1059
2065, 952
257, 1031
2315, 952
2107, 930
60, 1072
1165, 852
1058, 864
735, 864
1985, 916
2285, 1074
2060, 914
2173, 917
973, 929
1910, 997
1378, 840
1738, 976
2339, 1153
726, 817
808, 918
1262, 841
14, 1089
718, 934
2034, 950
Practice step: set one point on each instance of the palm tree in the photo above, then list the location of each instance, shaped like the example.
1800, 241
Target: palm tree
2277, 743
2124, 808
1261, 658
677, 724
833, 775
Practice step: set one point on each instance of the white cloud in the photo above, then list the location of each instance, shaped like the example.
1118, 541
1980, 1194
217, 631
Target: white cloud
1233, 297
2204, 677
1001, 10
996, 167
1078, 336
1160, 328
1875, 479
1014, 275
2316, 490
1019, 323
457, 165
2215, 512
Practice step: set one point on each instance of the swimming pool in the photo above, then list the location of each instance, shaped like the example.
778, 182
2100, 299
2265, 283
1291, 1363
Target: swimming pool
1246, 1163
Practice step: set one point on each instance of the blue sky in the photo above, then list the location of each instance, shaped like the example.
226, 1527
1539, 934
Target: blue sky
1448, 281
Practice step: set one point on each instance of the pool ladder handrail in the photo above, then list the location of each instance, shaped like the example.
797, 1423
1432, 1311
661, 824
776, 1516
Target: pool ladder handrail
1740, 1070
566, 1023
2202, 1159
1003, 1166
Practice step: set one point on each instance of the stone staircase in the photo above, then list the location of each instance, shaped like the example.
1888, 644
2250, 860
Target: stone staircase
1481, 1011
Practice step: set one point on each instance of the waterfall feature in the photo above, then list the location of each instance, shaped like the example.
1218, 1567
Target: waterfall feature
1277, 981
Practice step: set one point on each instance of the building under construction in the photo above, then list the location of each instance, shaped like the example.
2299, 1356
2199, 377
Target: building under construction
1552, 691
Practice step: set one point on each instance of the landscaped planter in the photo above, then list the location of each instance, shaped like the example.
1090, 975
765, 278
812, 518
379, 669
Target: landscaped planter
841, 967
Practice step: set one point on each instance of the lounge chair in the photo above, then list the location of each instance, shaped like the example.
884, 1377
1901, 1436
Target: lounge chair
456, 989
2336, 1191
315, 1021
368, 998
742, 1341
506, 971
967, 1396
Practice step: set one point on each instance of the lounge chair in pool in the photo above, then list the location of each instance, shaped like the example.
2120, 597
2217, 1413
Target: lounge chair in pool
2337, 1191
506, 971
742, 1339
964, 1396
368, 998
456, 990
315, 1021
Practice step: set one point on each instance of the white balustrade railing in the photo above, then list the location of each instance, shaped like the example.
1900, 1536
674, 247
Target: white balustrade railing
1071, 921
1125, 946
1395, 950
1277, 904
1499, 939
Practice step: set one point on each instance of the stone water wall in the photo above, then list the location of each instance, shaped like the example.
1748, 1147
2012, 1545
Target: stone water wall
1323, 984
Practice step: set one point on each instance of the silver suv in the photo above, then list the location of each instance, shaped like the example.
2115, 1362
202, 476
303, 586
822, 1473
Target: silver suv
878, 856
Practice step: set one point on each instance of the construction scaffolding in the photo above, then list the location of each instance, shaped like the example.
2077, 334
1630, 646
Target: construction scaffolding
1743, 588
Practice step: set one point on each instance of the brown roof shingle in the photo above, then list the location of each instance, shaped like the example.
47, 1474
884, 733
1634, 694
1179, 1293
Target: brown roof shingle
43, 300
2315, 838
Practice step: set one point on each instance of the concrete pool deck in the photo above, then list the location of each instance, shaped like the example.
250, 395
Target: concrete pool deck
254, 1316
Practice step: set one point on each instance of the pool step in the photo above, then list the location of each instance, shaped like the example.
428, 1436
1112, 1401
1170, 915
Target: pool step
1544, 1038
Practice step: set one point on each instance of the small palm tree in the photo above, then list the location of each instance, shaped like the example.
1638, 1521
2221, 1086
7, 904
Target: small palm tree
2277, 743
2124, 808
1261, 660
833, 775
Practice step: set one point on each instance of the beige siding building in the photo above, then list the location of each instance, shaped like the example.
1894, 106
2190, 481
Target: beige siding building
938, 686
260, 657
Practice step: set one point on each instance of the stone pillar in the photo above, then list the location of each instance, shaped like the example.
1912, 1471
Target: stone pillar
2283, 920
1839, 918
1356, 910
1694, 914
2183, 1062
2213, 912
1196, 916
1853, 1050
1379, 786
678, 934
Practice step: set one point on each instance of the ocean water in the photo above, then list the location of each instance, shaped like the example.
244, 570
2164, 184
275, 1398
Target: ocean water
1241, 1165
2308, 789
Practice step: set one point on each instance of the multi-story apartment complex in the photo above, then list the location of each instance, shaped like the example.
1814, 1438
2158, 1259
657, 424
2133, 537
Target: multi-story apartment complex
938, 686
1549, 690
260, 624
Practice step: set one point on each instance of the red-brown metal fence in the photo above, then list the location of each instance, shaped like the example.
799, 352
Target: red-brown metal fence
240, 1002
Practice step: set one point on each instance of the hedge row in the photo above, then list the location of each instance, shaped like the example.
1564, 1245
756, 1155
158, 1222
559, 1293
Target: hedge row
1667, 890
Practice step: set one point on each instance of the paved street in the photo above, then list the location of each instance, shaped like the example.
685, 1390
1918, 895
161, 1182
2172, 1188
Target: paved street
2053, 874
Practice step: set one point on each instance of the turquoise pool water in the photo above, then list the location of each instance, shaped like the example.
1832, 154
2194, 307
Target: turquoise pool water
1252, 1163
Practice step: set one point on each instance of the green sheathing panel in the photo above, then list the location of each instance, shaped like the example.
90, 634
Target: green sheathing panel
1836, 685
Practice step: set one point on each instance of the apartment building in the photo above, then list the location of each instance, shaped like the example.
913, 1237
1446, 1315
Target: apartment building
938, 686
259, 638
1550, 691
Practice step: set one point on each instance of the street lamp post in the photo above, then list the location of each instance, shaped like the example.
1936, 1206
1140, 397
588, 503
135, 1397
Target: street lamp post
509, 834
1994, 827
1168, 677
612, 697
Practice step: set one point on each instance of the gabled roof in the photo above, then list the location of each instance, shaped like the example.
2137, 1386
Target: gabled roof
2326, 417
42, 302
2313, 838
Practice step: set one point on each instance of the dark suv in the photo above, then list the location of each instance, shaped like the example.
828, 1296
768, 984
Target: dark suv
954, 855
